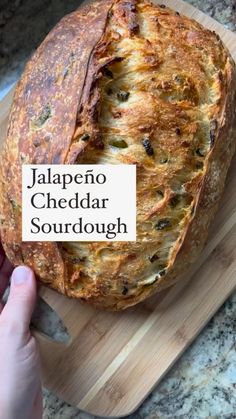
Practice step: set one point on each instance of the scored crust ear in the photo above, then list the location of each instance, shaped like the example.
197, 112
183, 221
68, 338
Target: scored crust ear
45, 106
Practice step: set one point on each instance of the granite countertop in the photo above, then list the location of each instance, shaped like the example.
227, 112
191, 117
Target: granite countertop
202, 384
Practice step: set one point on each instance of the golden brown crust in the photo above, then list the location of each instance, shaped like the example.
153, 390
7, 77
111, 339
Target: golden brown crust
151, 88
52, 85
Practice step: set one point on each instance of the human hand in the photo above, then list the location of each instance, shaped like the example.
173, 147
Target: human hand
20, 383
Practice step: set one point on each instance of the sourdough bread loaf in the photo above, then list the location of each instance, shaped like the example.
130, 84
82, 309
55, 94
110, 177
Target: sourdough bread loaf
124, 81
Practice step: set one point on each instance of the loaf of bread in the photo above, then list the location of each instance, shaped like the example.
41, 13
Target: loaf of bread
124, 81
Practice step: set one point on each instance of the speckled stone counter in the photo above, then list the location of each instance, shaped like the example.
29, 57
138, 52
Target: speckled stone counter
202, 384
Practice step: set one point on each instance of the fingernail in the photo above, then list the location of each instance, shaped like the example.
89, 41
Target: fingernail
20, 275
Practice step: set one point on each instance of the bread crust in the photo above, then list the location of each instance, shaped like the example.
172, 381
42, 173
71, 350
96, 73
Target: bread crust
63, 94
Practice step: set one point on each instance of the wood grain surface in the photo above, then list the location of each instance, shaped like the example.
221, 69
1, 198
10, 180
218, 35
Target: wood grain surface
113, 360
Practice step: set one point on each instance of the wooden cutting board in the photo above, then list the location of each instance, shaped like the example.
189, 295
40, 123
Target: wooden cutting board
113, 360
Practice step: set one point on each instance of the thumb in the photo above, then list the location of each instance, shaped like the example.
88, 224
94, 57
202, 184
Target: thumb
21, 301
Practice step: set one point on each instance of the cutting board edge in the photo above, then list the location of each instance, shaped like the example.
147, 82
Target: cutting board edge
133, 410
175, 359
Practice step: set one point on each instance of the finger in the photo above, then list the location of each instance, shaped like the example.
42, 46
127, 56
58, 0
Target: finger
38, 405
21, 301
5, 273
